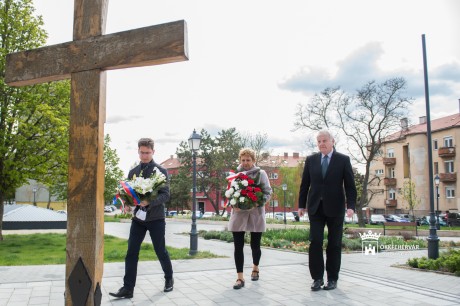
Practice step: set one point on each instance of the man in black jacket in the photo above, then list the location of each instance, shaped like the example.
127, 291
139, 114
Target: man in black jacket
327, 178
148, 216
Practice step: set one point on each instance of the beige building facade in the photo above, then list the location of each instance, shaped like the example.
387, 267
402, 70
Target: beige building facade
404, 158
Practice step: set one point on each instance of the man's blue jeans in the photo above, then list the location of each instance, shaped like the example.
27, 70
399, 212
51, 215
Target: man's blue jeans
137, 233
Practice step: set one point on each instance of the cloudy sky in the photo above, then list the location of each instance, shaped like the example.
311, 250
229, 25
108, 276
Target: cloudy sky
252, 62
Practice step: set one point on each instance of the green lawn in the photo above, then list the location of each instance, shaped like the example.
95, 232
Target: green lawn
49, 249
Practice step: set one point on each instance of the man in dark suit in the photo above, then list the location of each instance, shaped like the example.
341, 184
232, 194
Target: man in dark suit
327, 186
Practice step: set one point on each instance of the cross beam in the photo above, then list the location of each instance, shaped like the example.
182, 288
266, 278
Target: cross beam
84, 61
154, 45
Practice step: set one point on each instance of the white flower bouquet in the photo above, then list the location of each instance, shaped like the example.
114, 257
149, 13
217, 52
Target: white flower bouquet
138, 189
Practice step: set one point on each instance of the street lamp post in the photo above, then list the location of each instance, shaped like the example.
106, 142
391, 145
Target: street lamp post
436, 182
194, 144
284, 191
433, 239
35, 191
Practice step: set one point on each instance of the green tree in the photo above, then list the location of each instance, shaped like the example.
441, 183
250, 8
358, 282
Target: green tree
113, 173
291, 176
365, 119
359, 179
410, 196
217, 155
179, 188
34, 120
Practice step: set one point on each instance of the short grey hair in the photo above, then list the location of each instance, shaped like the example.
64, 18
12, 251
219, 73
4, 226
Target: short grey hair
325, 133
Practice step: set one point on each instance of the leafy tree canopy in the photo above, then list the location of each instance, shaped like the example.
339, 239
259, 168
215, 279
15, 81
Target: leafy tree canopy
113, 173
34, 120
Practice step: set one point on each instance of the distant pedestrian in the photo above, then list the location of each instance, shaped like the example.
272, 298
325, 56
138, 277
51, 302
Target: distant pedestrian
327, 186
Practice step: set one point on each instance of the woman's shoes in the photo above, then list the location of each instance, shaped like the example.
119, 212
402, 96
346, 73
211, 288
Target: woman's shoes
255, 275
238, 284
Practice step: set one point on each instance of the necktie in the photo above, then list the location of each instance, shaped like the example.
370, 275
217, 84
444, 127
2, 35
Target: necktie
324, 165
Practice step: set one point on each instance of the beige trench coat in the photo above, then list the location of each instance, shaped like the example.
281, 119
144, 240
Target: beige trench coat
252, 220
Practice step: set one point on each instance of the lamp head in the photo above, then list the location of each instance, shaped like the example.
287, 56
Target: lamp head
194, 141
437, 180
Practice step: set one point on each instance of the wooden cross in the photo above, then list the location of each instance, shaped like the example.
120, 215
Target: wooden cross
84, 60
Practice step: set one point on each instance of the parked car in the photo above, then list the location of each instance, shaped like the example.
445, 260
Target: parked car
108, 208
280, 216
426, 221
377, 219
208, 214
353, 219
443, 217
395, 218
453, 219
421, 221
407, 217
171, 213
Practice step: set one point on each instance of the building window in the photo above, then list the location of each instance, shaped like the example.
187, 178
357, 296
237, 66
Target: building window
449, 166
448, 141
450, 192
392, 194
379, 172
392, 172
273, 175
436, 168
391, 152
435, 144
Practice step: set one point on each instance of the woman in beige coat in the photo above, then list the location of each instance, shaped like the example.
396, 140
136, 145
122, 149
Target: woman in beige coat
252, 220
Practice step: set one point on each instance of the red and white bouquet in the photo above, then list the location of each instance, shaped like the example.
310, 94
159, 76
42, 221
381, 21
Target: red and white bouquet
243, 192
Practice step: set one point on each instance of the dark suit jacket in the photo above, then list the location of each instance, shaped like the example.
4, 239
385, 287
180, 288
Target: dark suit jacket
338, 183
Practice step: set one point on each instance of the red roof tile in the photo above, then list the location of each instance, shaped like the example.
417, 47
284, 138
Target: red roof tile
447, 122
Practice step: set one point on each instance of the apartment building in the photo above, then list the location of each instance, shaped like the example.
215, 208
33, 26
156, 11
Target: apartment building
404, 157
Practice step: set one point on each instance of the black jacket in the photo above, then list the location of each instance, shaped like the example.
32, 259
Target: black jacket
156, 208
335, 189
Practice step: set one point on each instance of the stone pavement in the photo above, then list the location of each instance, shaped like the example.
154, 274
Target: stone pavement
284, 279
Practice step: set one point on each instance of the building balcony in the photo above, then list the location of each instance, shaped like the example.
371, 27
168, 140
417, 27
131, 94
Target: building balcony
389, 181
446, 152
391, 203
448, 177
388, 161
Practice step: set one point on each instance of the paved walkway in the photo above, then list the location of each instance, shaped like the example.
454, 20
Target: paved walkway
284, 279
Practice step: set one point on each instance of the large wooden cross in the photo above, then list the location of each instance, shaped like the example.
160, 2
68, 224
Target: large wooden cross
84, 60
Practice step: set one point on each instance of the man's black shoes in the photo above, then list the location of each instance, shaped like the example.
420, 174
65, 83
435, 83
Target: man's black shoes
123, 293
331, 285
317, 283
169, 285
